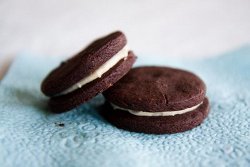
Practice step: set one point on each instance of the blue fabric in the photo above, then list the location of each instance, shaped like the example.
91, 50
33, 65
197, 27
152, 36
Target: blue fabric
31, 136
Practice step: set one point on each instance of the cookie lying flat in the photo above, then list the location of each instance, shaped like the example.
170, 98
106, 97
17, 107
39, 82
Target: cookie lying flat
157, 100
88, 73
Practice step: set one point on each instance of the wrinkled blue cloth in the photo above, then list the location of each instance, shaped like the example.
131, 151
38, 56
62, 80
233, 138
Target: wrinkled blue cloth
31, 136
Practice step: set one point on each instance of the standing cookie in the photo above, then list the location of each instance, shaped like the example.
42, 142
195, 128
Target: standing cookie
157, 100
88, 73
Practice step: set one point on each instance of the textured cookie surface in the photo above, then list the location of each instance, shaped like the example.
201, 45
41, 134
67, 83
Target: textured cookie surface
83, 64
157, 89
65, 102
156, 125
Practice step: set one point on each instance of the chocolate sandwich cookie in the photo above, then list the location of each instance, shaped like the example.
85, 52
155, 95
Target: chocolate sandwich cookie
157, 100
88, 73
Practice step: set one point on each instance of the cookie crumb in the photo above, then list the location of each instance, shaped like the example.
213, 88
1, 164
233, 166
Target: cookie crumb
60, 124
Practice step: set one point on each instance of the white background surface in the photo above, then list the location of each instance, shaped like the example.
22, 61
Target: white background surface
180, 28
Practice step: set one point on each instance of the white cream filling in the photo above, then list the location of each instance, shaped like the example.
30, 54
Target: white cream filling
153, 114
122, 54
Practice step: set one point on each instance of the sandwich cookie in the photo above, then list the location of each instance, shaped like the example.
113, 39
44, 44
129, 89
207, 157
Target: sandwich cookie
157, 100
88, 73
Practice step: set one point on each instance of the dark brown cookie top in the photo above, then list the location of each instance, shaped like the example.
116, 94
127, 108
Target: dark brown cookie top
156, 89
82, 64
